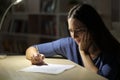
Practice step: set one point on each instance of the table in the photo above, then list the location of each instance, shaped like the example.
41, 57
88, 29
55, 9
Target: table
10, 66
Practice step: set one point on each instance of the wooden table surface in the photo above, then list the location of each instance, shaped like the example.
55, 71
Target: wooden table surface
10, 66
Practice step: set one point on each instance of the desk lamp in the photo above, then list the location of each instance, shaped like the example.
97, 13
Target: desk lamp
2, 20
3, 17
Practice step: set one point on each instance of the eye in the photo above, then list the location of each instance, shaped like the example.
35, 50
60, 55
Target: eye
80, 30
77, 30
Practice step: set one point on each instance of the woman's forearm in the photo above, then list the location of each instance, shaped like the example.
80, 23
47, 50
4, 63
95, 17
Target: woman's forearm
87, 61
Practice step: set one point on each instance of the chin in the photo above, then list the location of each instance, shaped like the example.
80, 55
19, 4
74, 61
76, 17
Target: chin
77, 42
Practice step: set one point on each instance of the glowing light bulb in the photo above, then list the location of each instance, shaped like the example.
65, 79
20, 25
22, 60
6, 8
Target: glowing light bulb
17, 1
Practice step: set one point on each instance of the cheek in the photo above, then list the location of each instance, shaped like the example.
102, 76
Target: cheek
77, 39
71, 34
75, 35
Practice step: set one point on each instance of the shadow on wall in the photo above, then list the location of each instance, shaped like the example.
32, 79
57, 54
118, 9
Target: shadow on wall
116, 30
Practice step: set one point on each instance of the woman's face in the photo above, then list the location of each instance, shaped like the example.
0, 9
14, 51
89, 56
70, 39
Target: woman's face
76, 29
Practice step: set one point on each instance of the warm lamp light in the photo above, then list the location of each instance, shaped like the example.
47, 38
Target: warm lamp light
17, 1
3, 17
2, 55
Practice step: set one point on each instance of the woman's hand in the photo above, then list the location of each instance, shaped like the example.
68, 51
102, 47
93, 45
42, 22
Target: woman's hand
86, 42
38, 59
85, 47
34, 56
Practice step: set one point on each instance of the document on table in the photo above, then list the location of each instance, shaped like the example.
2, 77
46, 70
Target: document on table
49, 68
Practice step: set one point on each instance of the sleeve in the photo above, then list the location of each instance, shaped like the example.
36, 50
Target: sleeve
109, 69
108, 72
52, 48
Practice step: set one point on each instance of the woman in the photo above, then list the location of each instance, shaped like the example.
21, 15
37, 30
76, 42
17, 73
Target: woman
91, 45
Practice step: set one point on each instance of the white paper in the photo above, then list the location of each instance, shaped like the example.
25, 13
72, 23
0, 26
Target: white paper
49, 68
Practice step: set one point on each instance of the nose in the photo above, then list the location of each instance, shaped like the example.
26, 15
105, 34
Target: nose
74, 35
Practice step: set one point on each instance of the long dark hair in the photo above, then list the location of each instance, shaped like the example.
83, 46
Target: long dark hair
94, 23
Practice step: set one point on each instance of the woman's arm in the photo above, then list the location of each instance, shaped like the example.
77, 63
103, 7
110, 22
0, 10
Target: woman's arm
86, 49
87, 61
58, 47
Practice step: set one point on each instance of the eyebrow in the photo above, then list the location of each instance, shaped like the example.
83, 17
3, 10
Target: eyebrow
78, 29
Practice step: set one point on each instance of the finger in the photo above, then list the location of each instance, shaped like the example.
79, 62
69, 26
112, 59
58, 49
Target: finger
33, 60
87, 41
39, 58
42, 56
82, 44
90, 40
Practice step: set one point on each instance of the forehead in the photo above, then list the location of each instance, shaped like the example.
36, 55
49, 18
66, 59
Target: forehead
75, 23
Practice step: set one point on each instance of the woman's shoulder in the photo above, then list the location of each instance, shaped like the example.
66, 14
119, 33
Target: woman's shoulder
109, 58
67, 40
